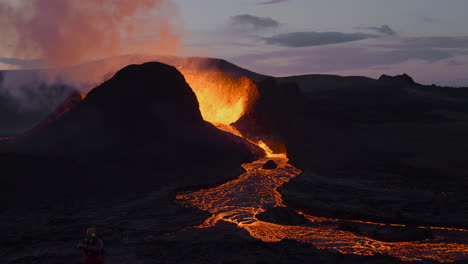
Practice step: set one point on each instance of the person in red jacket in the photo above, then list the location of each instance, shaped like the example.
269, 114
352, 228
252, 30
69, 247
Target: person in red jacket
92, 248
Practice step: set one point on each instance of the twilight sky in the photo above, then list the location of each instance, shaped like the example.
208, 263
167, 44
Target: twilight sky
428, 39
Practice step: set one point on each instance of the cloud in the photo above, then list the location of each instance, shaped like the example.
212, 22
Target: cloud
454, 63
249, 22
306, 39
428, 54
273, 2
384, 29
20, 62
324, 59
437, 42
455, 46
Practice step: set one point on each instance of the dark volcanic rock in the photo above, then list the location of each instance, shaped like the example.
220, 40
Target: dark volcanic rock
387, 233
271, 114
282, 216
384, 150
204, 246
392, 233
270, 165
73, 100
397, 80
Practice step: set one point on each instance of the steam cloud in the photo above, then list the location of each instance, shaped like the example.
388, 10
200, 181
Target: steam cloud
60, 34
69, 32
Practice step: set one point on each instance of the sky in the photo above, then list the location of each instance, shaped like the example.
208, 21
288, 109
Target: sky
427, 39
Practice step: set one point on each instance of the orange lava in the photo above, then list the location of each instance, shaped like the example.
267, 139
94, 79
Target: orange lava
222, 99
240, 200
269, 152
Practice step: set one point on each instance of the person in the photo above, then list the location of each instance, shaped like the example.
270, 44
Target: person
92, 247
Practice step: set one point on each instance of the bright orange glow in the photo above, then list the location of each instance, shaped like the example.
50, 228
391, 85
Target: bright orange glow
269, 152
222, 99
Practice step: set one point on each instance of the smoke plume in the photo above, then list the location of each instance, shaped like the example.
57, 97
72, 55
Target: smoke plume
61, 34
69, 32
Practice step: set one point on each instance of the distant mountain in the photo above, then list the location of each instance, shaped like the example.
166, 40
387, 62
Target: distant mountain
313, 83
213, 64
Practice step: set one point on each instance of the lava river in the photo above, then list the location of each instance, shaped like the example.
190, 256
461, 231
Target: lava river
222, 101
240, 200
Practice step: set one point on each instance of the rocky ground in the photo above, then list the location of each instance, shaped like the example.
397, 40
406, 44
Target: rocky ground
386, 150
379, 200
146, 228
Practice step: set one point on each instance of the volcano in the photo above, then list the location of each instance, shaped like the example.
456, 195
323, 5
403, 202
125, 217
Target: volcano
131, 113
146, 117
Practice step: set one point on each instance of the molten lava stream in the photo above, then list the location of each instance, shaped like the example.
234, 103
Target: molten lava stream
239, 201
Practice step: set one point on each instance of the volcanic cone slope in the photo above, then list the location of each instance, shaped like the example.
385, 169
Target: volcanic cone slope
142, 123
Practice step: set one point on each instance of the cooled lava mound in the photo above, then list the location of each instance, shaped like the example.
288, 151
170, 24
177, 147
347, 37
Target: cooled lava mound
144, 110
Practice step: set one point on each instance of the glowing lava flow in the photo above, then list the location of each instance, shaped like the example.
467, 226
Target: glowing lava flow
222, 99
241, 200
